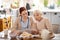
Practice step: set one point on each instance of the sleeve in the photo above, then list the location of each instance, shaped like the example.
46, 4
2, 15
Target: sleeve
48, 25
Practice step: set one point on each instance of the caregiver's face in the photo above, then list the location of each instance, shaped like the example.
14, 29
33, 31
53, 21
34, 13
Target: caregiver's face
37, 15
24, 14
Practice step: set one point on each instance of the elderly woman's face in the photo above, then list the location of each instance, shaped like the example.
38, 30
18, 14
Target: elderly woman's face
24, 13
37, 15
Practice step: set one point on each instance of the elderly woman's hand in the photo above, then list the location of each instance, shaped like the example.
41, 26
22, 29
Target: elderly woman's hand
34, 31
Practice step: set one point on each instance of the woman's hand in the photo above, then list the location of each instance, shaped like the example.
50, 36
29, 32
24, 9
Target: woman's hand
15, 32
34, 31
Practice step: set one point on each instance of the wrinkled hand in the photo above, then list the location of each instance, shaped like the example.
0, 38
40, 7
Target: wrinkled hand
34, 31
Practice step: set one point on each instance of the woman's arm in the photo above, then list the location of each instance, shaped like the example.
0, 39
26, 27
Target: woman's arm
33, 26
48, 25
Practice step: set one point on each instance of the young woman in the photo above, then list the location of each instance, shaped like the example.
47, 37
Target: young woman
23, 23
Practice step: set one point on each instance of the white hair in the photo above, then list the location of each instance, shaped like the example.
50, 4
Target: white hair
37, 11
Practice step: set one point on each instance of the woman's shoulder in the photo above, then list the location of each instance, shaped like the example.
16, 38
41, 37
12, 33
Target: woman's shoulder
45, 19
18, 18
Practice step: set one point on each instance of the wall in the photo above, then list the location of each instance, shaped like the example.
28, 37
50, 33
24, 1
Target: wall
53, 17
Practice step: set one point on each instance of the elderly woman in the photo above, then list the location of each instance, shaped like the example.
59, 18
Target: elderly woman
23, 23
43, 25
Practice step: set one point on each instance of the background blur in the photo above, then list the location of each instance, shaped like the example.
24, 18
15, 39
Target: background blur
9, 11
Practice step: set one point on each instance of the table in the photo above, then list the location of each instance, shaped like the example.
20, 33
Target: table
57, 37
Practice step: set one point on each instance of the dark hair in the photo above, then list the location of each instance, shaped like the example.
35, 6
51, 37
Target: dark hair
22, 9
